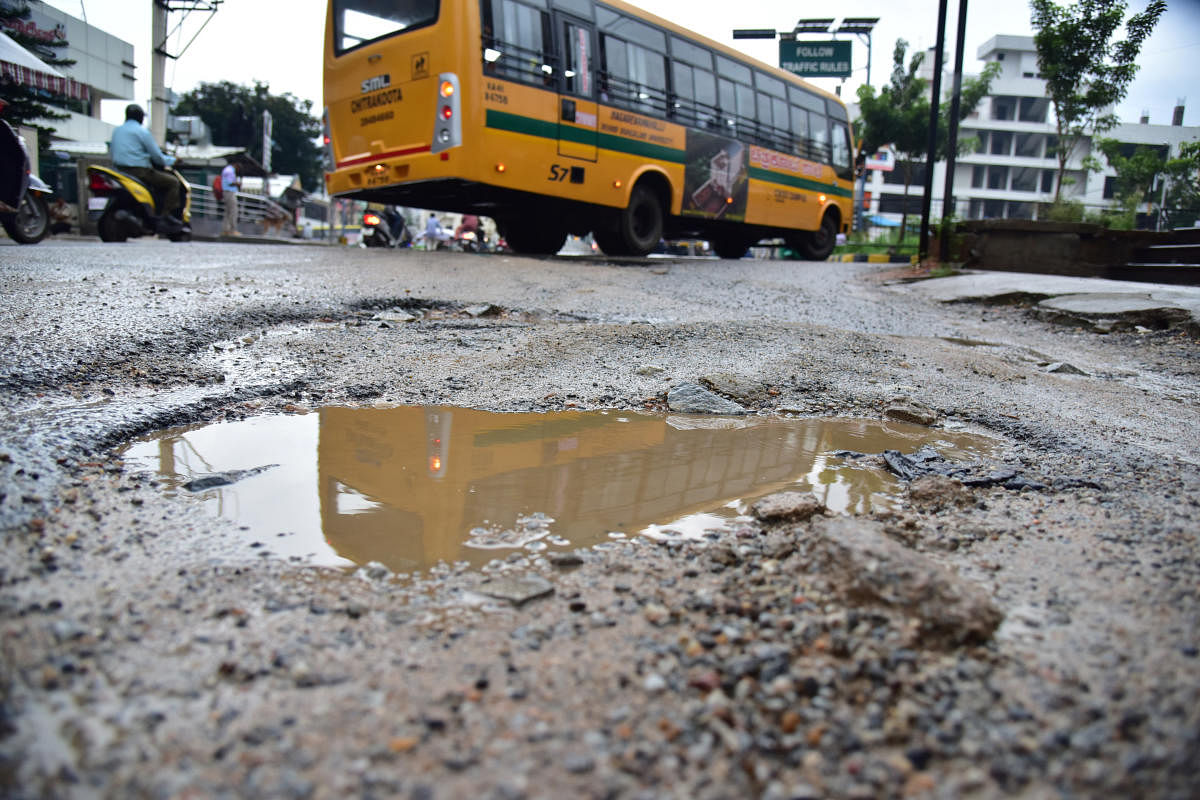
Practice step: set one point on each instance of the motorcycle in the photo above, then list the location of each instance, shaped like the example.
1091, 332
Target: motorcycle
377, 231
121, 207
468, 242
24, 212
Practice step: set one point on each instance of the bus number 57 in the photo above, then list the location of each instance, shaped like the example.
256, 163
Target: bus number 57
558, 173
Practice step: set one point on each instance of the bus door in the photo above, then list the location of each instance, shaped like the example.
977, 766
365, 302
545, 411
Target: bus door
577, 112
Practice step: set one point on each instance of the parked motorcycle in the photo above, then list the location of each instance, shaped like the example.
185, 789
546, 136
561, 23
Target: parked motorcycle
380, 231
24, 212
122, 207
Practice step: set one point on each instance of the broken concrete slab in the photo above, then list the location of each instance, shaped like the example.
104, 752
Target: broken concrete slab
1091, 295
1114, 311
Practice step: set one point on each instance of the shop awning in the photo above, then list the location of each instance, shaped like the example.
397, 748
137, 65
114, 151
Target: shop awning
23, 67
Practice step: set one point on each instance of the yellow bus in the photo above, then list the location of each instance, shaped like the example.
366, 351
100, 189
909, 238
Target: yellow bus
577, 116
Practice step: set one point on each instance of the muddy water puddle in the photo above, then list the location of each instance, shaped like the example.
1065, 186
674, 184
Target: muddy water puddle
413, 486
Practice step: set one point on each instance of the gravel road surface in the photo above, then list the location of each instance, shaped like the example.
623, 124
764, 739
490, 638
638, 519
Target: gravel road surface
1030, 630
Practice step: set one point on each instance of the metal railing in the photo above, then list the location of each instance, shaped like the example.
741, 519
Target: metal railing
256, 214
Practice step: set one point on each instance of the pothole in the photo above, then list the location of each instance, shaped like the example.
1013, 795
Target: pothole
413, 486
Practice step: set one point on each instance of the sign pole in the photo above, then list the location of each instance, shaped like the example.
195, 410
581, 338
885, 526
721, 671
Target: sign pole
934, 108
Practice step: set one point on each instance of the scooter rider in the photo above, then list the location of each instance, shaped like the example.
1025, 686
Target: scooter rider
134, 151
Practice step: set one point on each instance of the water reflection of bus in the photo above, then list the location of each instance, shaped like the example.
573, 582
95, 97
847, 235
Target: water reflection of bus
405, 486
577, 116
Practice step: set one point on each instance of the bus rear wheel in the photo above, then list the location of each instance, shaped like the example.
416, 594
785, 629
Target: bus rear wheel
639, 225
534, 238
730, 246
817, 246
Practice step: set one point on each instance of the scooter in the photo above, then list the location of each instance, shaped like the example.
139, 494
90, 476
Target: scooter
468, 242
377, 231
24, 212
121, 207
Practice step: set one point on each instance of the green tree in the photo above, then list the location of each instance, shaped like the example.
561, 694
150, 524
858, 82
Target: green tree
234, 113
899, 116
27, 105
1087, 73
1146, 174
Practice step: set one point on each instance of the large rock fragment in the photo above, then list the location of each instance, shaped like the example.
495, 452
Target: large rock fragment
691, 398
864, 565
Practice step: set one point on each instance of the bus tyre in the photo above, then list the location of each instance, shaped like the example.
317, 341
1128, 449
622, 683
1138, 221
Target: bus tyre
730, 246
640, 225
534, 239
817, 245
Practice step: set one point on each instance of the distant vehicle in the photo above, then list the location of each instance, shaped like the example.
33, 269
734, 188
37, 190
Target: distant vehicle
381, 230
24, 212
122, 207
576, 116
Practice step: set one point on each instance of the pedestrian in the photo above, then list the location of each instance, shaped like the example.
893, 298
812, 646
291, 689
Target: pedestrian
434, 235
230, 182
134, 151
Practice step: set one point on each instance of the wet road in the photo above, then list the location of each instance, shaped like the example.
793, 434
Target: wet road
135, 624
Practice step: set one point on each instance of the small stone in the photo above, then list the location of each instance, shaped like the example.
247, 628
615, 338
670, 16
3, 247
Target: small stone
516, 589
649, 370
654, 683
1063, 368
787, 507
906, 409
579, 763
938, 491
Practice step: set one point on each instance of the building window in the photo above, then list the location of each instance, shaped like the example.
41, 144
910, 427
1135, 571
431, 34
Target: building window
978, 174
997, 178
1025, 179
1047, 180
981, 145
1110, 187
975, 209
993, 209
1004, 108
1033, 109
1030, 145
1051, 146
1002, 143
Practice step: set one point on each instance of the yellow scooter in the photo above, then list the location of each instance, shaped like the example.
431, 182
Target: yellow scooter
121, 207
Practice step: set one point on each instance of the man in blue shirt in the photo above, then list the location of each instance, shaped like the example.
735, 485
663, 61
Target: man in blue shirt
134, 151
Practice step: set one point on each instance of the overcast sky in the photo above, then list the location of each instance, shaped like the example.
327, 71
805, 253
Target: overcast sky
279, 42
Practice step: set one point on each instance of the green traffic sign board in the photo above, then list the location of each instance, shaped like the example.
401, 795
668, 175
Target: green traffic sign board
816, 59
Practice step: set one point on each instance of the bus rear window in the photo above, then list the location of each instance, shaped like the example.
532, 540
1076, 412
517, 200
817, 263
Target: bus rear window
362, 21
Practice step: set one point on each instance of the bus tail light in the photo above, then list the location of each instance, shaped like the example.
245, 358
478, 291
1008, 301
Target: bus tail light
327, 140
447, 123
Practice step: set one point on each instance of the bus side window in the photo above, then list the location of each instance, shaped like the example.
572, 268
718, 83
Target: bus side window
516, 39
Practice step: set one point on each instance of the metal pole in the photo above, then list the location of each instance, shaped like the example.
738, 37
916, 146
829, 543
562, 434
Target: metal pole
934, 107
158, 71
952, 144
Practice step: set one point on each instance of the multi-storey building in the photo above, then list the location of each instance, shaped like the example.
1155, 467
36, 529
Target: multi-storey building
103, 69
1012, 167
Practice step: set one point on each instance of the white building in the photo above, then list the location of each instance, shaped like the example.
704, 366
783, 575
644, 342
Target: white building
1013, 166
103, 69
